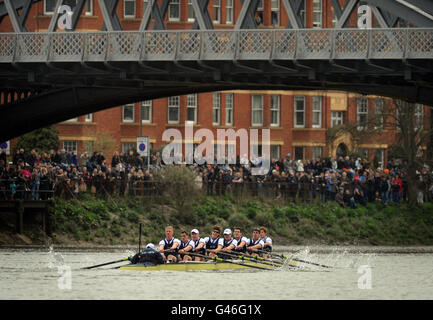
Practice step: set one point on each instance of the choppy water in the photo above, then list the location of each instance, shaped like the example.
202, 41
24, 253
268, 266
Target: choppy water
45, 275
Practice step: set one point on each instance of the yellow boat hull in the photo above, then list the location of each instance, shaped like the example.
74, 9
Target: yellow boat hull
198, 266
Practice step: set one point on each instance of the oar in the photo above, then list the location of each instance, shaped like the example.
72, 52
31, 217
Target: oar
228, 261
105, 264
282, 256
255, 257
250, 259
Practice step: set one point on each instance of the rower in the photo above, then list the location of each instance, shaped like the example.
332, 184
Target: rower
240, 240
225, 244
266, 240
168, 247
211, 243
198, 244
186, 245
148, 257
255, 242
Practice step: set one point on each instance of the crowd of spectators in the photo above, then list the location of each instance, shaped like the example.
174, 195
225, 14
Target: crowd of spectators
348, 181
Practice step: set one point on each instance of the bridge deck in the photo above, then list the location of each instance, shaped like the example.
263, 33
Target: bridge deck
212, 45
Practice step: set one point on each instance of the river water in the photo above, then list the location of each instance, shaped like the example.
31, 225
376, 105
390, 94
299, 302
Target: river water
55, 274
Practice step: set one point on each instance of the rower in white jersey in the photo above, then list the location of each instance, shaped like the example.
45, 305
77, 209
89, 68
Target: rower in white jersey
198, 245
169, 246
266, 240
211, 243
240, 240
225, 244
186, 245
254, 243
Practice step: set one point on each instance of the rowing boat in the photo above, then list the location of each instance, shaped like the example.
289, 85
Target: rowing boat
200, 265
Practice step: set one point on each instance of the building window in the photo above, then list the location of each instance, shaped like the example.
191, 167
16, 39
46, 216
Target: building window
128, 113
217, 11
128, 146
336, 118
174, 10
363, 152
191, 13
317, 13
89, 117
146, 111
259, 13
299, 112
275, 12
379, 111
49, 6
192, 108
299, 153
317, 152
379, 157
275, 152
89, 8
229, 11
129, 9
173, 109
70, 145
229, 109
216, 108
257, 110
317, 112
419, 116
362, 113
275, 110
88, 146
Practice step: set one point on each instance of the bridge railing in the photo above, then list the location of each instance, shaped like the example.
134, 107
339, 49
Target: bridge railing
411, 43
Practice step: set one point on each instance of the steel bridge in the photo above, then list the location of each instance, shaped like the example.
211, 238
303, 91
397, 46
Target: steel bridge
48, 77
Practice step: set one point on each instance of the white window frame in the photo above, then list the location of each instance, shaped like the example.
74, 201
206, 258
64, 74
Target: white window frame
123, 113
229, 108
46, 12
419, 116
278, 152
146, 104
127, 146
303, 152
275, 7
66, 145
275, 108
229, 12
378, 110
191, 103
72, 120
361, 111
89, 8
317, 109
124, 9
216, 11
261, 6
172, 4
191, 12
315, 150
317, 3
173, 102
337, 118
296, 111
216, 108
256, 109
89, 117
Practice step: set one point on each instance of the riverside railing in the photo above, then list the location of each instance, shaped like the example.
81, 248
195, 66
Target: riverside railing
329, 44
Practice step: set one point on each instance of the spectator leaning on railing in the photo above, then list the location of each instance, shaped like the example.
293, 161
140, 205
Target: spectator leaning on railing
348, 181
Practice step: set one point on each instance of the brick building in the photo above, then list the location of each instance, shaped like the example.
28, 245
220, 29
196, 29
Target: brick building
298, 120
